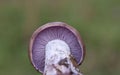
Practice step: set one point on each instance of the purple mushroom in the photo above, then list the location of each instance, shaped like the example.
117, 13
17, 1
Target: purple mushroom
56, 48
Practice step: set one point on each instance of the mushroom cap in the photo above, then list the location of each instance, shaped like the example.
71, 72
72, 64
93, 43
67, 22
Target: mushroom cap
52, 31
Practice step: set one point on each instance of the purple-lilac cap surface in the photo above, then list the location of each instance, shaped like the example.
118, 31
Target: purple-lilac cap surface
52, 31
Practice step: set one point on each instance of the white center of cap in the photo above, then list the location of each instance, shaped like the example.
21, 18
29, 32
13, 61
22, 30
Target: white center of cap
55, 51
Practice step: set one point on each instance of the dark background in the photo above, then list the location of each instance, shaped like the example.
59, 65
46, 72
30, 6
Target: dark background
98, 22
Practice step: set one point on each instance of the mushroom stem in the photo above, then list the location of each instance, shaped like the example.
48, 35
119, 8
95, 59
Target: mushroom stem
58, 59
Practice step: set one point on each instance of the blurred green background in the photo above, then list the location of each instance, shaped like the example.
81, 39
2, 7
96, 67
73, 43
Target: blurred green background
98, 22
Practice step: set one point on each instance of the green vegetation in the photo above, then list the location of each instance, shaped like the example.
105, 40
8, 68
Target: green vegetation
98, 22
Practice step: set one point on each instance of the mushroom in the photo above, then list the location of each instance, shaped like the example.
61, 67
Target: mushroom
56, 48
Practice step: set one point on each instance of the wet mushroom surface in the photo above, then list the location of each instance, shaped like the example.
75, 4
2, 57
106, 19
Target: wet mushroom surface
51, 32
